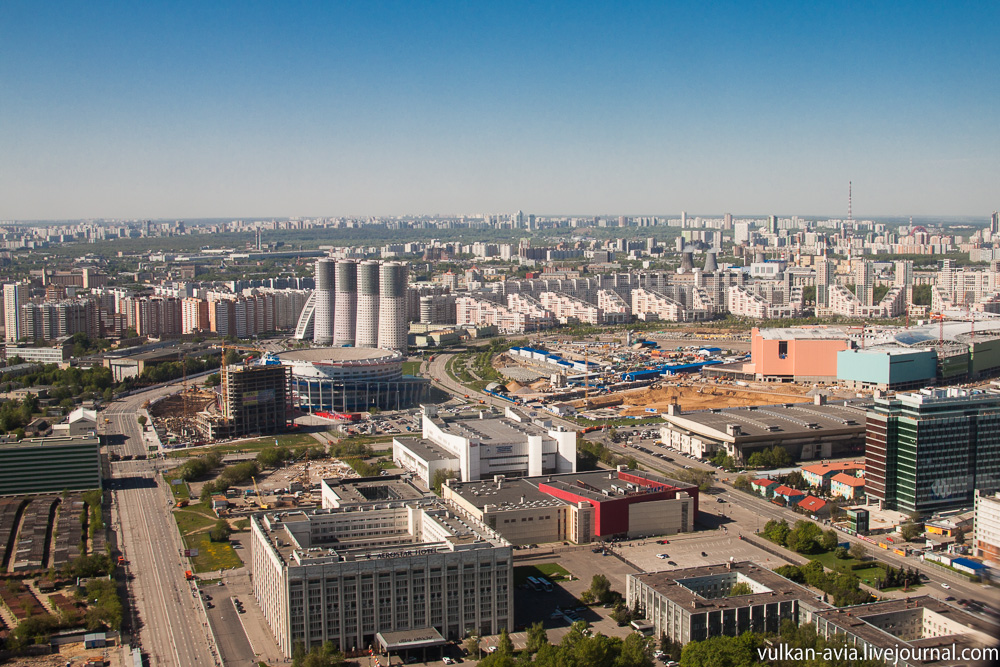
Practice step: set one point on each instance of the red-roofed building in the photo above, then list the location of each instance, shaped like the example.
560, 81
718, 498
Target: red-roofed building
764, 487
847, 486
790, 495
812, 504
820, 474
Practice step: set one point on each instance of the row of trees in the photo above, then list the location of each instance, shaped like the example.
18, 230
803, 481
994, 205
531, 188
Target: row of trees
15, 415
843, 587
588, 453
577, 649
750, 650
238, 473
272, 457
804, 538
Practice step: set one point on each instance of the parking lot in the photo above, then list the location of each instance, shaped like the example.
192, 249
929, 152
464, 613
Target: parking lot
693, 550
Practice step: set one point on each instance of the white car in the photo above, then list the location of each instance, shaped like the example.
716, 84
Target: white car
945, 586
448, 661
663, 556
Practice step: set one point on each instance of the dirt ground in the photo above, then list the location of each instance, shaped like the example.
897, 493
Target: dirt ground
698, 397
73, 654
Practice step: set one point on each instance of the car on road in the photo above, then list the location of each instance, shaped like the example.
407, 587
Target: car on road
670, 562
704, 555
448, 661
663, 556
945, 586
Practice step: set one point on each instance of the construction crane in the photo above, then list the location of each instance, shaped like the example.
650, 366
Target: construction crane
940, 318
260, 498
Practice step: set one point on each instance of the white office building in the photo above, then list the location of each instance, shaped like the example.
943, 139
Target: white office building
481, 448
379, 566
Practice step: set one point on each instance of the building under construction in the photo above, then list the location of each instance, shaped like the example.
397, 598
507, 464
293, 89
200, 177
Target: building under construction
254, 402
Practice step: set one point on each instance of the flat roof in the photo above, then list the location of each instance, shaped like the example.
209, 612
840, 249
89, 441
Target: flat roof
492, 430
803, 333
401, 640
508, 494
668, 584
787, 420
372, 489
426, 449
853, 620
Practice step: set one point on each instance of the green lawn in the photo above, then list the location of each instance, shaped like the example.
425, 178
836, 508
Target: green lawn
411, 368
551, 571
255, 445
211, 555
241, 524
181, 491
194, 518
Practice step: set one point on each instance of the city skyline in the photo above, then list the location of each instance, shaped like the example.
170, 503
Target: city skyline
230, 111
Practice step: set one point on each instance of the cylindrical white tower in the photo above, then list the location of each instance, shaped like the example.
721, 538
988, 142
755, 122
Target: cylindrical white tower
325, 296
392, 326
368, 292
346, 303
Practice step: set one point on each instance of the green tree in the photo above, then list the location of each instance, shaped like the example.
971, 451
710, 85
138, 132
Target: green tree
471, 645
600, 588
910, 530
857, 551
777, 531
440, 477
804, 537
795, 480
537, 637
740, 588
213, 380
142, 420
721, 652
742, 482
829, 540
504, 643
635, 652
220, 532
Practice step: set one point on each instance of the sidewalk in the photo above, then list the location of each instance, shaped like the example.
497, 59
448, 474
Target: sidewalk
257, 630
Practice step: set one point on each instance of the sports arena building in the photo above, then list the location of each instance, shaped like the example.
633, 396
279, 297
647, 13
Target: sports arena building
349, 379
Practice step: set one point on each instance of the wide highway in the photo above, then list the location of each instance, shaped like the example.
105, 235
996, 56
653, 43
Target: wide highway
173, 628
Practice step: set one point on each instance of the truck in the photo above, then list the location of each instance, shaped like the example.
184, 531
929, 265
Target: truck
188, 575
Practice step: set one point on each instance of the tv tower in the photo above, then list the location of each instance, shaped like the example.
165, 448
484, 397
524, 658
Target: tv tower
849, 216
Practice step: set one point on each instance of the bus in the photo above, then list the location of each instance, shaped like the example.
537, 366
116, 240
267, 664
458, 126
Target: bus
535, 583
545, 584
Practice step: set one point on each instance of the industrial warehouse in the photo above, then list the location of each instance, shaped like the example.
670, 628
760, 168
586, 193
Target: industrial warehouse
579, 507
807, 431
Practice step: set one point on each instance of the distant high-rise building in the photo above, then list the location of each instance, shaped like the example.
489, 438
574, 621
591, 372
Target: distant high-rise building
864, 282
825, 278
368, 308
995, 224
325, 301
392, 324
14, 296
772, 224
346, 303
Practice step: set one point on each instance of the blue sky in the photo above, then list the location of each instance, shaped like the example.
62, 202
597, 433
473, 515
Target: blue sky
202, 109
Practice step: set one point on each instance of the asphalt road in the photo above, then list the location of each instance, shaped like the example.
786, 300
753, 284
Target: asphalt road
173, 626
225, 621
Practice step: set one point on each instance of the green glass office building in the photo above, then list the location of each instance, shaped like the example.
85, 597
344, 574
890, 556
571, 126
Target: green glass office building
930, 450
50, 465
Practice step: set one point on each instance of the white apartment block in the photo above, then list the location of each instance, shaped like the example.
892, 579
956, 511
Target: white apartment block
568, 309
616, 309
479, 312
650, 305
